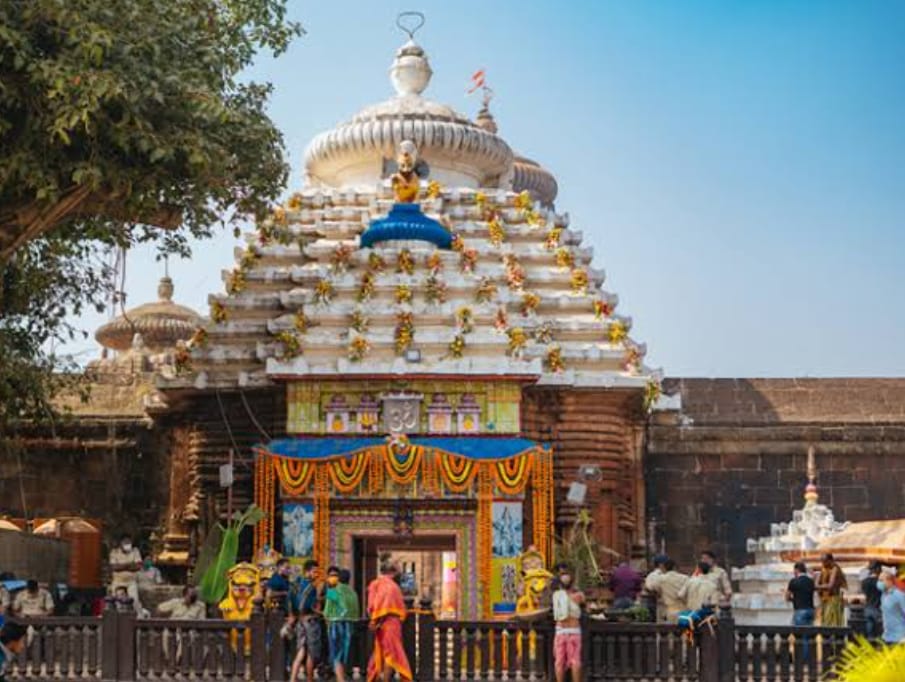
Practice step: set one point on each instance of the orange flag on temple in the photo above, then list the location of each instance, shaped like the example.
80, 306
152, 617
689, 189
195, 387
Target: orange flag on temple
477, 80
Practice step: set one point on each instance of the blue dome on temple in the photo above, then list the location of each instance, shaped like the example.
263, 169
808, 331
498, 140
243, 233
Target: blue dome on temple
406, 222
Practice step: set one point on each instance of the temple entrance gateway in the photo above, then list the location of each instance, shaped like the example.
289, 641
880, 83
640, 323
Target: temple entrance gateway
480, 501
421, 560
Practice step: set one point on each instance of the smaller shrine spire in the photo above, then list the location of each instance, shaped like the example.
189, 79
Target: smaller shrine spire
810, 492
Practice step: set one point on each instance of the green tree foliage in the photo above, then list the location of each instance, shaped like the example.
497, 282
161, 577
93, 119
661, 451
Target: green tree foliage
120, 122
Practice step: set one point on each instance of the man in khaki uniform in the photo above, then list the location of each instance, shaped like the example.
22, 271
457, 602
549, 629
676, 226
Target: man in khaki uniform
700, 590
125, 563
33, 601
186, 607
666, 582
718, 575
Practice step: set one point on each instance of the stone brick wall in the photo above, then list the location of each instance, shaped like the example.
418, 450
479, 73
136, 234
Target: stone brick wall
733, 460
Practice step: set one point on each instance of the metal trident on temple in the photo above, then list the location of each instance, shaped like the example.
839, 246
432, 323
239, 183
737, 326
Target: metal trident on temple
410, 22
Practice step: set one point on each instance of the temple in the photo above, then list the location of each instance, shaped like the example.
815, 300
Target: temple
415, 355
415, 310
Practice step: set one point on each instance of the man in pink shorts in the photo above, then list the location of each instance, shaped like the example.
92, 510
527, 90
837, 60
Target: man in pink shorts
567, 603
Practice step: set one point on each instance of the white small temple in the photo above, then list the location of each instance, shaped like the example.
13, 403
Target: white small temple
761, 597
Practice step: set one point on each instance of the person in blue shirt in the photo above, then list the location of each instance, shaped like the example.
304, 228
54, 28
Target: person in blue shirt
279, 587
307, 607
892, 603
12, 642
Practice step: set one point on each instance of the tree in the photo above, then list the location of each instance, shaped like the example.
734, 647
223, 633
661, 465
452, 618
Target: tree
120, 122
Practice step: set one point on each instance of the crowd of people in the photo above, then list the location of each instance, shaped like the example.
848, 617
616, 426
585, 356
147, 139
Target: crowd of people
321, 617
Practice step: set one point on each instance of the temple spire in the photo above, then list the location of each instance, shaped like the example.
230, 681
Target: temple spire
810, 491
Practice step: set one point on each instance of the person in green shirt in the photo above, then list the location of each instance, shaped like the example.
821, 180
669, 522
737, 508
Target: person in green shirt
341, 610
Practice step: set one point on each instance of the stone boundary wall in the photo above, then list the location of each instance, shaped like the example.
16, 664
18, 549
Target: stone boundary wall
733, 460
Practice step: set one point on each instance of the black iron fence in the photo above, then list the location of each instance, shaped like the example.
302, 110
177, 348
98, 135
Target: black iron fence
119, 647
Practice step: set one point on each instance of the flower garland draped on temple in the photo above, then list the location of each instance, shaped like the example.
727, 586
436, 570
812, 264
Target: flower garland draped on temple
482, 468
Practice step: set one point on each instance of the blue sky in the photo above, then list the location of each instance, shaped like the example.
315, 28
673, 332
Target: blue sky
739, 167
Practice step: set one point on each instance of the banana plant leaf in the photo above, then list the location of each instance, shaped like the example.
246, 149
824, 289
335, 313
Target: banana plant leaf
214, 583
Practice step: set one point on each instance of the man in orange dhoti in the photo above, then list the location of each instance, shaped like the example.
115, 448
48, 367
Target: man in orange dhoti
386, 609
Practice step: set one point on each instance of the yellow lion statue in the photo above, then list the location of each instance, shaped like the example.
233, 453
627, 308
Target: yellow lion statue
244, 581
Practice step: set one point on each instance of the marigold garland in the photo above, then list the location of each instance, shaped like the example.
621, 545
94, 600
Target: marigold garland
486, 290
468, 260
366, 287
565, 259
579, 281
434, 263
631, 361
652, 392
501, 321
484, 523
294, 475
617, 331
360, 322
340, 258
435, 290
433, 189
295, 202
551, 241
248, 258
512, 474
497, 233
376, 262
523, 200
292, 344
323, 292
465, 320
347, 473
457, 346
405, 263
515, 274
530, 303
375, 476
404, 334
602, 309
219, 313
429, 483
457, 472
517, 341
458, 244
535, 218
403, 294
553, 361
235, 282
480, 200
300, 321
543, 334
403, 467
359, 347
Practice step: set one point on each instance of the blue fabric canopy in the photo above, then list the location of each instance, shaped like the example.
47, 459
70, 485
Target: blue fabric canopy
406, 222
325, 448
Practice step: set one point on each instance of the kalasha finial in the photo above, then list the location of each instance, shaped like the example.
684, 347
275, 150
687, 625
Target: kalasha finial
410, 72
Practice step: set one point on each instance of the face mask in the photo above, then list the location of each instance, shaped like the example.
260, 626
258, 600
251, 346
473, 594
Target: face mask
127, 546
566, 580
333, 581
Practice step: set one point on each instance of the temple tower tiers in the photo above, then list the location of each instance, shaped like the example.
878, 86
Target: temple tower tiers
421, 286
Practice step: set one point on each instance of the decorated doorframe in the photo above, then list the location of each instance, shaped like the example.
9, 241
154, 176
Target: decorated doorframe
487, 469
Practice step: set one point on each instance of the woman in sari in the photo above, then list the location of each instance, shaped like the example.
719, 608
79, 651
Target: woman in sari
830, 585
